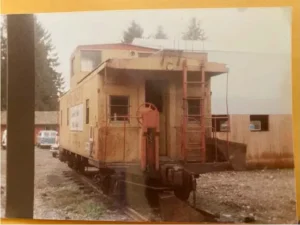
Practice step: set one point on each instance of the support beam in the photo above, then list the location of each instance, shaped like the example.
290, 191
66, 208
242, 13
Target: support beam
203, 113
20, 116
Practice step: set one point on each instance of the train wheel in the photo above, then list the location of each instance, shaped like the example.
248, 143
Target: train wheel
182, 193
61, 156
105, 186
76, 163
70, 161
152, 197
81, 168
70, 164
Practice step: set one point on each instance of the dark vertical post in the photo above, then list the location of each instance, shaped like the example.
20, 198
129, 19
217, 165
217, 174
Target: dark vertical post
203, 113
20, 116
184, 111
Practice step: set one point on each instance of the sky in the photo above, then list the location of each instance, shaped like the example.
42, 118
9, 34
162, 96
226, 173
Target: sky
261, 31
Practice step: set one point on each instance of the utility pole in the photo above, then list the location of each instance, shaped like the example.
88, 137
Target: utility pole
20, 116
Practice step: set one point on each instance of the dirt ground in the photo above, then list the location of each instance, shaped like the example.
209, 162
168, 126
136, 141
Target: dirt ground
57, 197
268, 196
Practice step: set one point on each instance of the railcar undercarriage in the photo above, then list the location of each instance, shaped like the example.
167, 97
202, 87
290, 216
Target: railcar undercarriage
179, 177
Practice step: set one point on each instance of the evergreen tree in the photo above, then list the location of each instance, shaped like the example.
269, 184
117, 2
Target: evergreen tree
48, 82
194, 31
133, 31
160, 34
3, 64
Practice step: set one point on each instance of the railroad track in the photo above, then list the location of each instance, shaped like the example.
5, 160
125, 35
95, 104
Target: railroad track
171, 208
177, 210
84, 181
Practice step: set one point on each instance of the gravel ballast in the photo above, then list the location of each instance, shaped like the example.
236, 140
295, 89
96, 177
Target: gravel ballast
266, 196
59, 198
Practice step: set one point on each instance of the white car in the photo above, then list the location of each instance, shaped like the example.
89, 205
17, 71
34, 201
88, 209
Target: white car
46, 138
4, 140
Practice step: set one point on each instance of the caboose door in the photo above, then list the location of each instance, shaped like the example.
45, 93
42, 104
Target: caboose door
164, 118
156, 92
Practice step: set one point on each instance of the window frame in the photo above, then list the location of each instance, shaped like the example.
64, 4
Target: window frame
216, 122
82, 57
189, 118
126, 119
264, 120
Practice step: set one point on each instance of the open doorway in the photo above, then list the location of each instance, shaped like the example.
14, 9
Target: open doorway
156, 93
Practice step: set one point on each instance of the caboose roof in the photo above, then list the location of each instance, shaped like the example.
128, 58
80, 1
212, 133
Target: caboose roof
160, 61
171, 64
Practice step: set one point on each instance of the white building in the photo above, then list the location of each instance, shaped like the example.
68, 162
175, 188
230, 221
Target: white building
258, 82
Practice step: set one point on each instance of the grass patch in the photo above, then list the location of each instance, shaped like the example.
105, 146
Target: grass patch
71, 200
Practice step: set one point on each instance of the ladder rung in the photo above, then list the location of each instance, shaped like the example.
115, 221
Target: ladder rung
195, 160
194, 148
195, 98
195, 82
193, 115
194, 131
199, 128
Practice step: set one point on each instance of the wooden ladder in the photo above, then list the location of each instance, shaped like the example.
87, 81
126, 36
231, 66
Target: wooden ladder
192, 150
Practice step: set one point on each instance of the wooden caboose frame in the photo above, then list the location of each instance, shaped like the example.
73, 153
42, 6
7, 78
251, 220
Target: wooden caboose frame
118, 143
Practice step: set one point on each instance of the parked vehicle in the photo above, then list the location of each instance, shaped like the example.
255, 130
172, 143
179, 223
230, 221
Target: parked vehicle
4, 140
54, 149
46, 138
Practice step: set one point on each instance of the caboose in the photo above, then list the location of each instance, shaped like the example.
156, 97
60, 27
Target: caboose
143, 115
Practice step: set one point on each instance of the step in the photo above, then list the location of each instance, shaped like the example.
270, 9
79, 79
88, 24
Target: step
194, 158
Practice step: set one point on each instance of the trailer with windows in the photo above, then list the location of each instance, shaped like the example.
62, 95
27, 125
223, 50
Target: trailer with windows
144, 115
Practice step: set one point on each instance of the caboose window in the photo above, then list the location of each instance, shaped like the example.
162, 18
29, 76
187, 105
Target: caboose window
259, 123
193, 106
87, 112
220, 123
89, 60
119, 108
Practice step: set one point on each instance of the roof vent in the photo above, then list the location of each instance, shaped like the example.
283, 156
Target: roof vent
133, 53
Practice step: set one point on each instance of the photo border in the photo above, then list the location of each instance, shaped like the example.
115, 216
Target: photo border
52, 6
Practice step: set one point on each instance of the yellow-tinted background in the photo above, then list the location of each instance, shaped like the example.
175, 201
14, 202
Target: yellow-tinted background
43, 6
